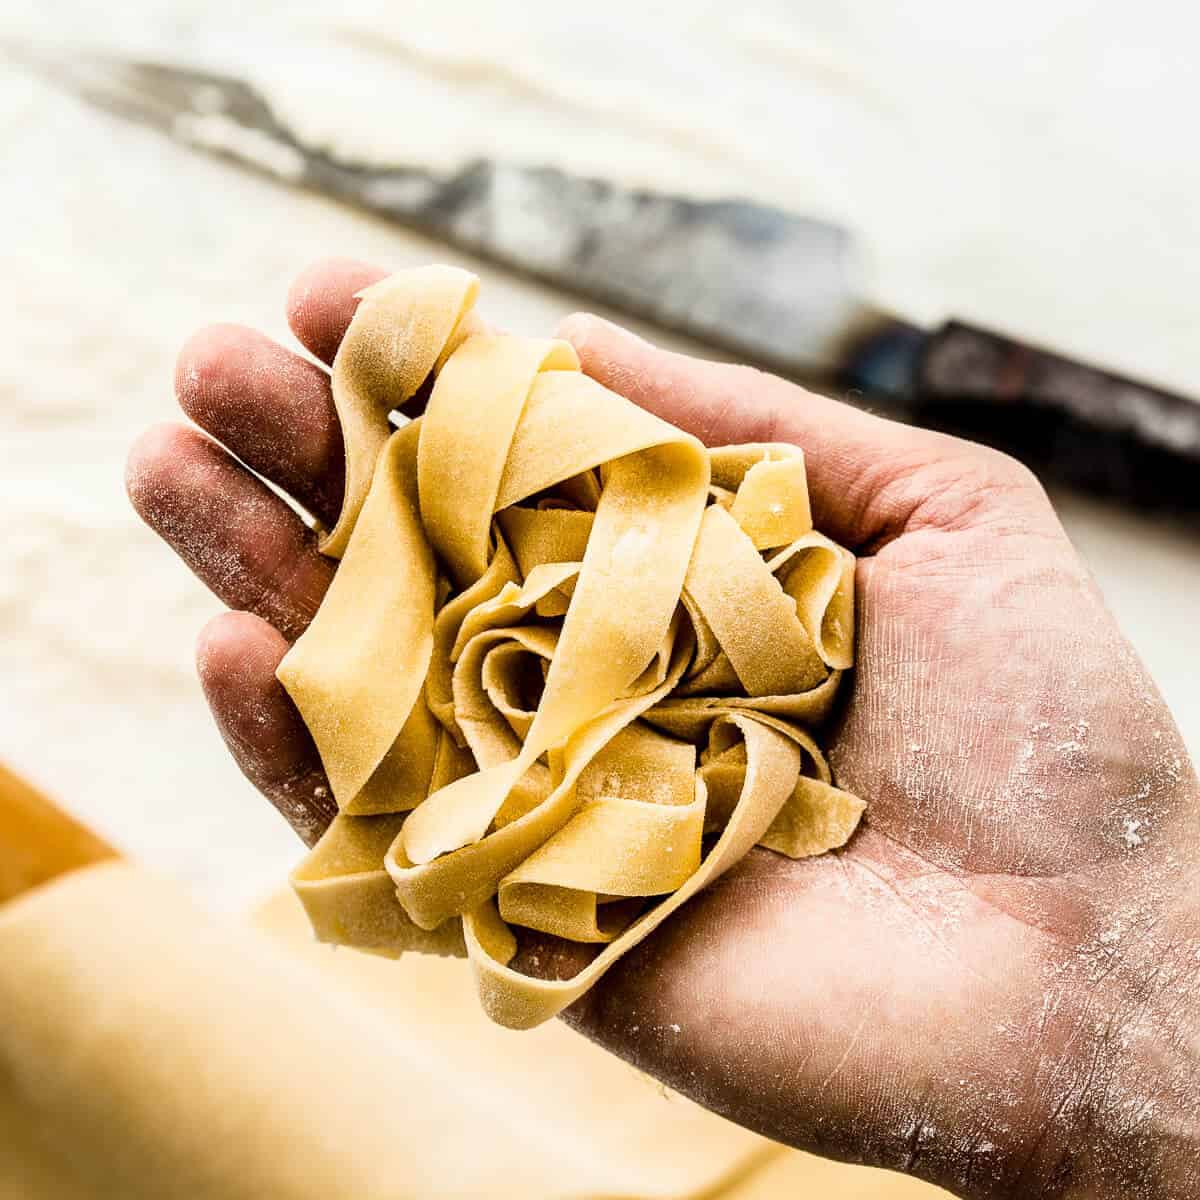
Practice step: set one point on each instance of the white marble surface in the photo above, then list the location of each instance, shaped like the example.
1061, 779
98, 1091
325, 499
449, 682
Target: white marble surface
1026, 166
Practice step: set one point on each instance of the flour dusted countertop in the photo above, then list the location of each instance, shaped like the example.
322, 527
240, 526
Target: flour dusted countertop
1021, 169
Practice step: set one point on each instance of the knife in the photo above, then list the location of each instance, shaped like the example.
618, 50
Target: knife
774, 288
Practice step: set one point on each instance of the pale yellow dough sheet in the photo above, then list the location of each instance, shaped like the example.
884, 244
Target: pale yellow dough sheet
571, 662
151, 1052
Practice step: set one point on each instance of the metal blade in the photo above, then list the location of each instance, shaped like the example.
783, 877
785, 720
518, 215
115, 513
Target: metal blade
776, 288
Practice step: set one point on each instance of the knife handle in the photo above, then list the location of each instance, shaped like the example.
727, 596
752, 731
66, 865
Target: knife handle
1075, 423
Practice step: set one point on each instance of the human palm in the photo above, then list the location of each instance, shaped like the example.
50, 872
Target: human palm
984, 986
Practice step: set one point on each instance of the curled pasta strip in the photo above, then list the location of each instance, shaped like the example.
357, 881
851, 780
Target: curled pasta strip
570, 664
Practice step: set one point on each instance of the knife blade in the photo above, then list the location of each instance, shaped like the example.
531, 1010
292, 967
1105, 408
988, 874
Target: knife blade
780, 290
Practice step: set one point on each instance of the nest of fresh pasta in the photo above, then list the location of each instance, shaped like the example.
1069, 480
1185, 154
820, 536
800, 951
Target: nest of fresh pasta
572, 663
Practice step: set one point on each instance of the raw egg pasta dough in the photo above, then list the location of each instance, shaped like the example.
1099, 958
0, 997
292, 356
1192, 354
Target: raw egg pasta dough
571, 661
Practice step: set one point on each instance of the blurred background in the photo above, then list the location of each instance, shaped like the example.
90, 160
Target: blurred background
1025, 167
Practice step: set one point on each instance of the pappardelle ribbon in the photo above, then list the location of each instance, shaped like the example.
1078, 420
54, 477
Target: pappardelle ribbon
569, 667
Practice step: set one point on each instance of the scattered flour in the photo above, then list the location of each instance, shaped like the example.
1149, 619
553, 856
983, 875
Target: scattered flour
1133, 839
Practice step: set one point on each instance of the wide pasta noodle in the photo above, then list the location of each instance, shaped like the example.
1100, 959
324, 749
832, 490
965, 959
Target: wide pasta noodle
570, 663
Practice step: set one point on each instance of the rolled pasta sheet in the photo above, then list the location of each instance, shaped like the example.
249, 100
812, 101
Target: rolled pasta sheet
151, 1052
571, 662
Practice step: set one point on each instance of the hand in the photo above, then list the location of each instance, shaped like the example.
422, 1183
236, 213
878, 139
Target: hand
992, 985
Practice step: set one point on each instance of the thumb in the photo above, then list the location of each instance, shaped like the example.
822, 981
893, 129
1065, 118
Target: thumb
870, 478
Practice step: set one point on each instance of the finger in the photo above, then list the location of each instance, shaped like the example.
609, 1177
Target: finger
868, 476
236, 657
240, 538
322, 301
270, 407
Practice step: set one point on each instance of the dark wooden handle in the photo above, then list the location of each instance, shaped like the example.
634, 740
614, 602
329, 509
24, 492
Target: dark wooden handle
1075, 422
